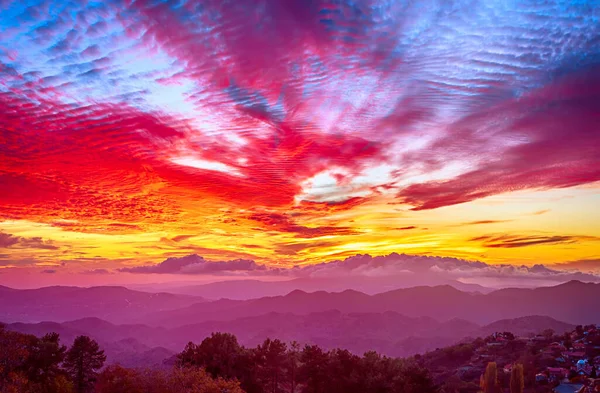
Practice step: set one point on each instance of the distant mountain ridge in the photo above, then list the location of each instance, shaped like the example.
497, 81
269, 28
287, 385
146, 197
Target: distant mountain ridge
254, 289
63, 303
574, 302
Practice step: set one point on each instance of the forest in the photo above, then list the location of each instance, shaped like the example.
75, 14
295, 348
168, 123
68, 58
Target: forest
30, 364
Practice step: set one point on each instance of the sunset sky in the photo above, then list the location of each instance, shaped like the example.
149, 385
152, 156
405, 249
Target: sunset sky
296, 132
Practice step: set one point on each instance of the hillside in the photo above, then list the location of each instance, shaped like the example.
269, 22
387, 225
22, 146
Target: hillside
552, 360
526, 326
389, 333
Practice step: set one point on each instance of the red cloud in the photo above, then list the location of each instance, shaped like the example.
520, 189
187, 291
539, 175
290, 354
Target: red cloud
283, 223
63, 161
275, 166
332, 206
99, 162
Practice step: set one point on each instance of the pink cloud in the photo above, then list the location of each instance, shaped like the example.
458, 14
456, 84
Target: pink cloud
554, 135
194, 264
403, 267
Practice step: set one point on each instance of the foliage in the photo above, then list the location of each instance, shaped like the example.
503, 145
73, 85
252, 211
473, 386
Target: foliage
269, 361
82, 361
42, 366
273, 367
489, 381
117, 379
218, 364
220, 354
517, 381
31, 364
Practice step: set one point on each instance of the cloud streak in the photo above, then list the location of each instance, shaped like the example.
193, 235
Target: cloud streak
584, 265
516, 241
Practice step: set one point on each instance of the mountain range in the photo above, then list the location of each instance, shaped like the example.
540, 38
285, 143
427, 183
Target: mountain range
138, 327
144, 328
245, 289
63, 303
574, 302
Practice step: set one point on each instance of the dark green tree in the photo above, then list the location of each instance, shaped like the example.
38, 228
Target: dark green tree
413, 378
346, 372
292, 363
43, 363
509, 336
270, 359
313, 371
567, 342
82, 361
548, 334
222, 356
379, 372
218, 354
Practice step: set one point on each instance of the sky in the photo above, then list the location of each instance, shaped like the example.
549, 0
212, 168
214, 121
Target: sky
287, 134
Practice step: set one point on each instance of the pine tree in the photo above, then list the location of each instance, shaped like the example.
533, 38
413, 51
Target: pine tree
269, 360
43, 364
82, 361
292, 364
517, 380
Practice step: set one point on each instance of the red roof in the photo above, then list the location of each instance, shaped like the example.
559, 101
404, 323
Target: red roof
557, 370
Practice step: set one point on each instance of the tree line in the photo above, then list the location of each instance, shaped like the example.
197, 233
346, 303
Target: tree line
29, 364
275, 367
218, 364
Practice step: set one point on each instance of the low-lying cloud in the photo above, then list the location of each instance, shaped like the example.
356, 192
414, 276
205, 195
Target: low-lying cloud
194, 264
435, 269
97, 271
